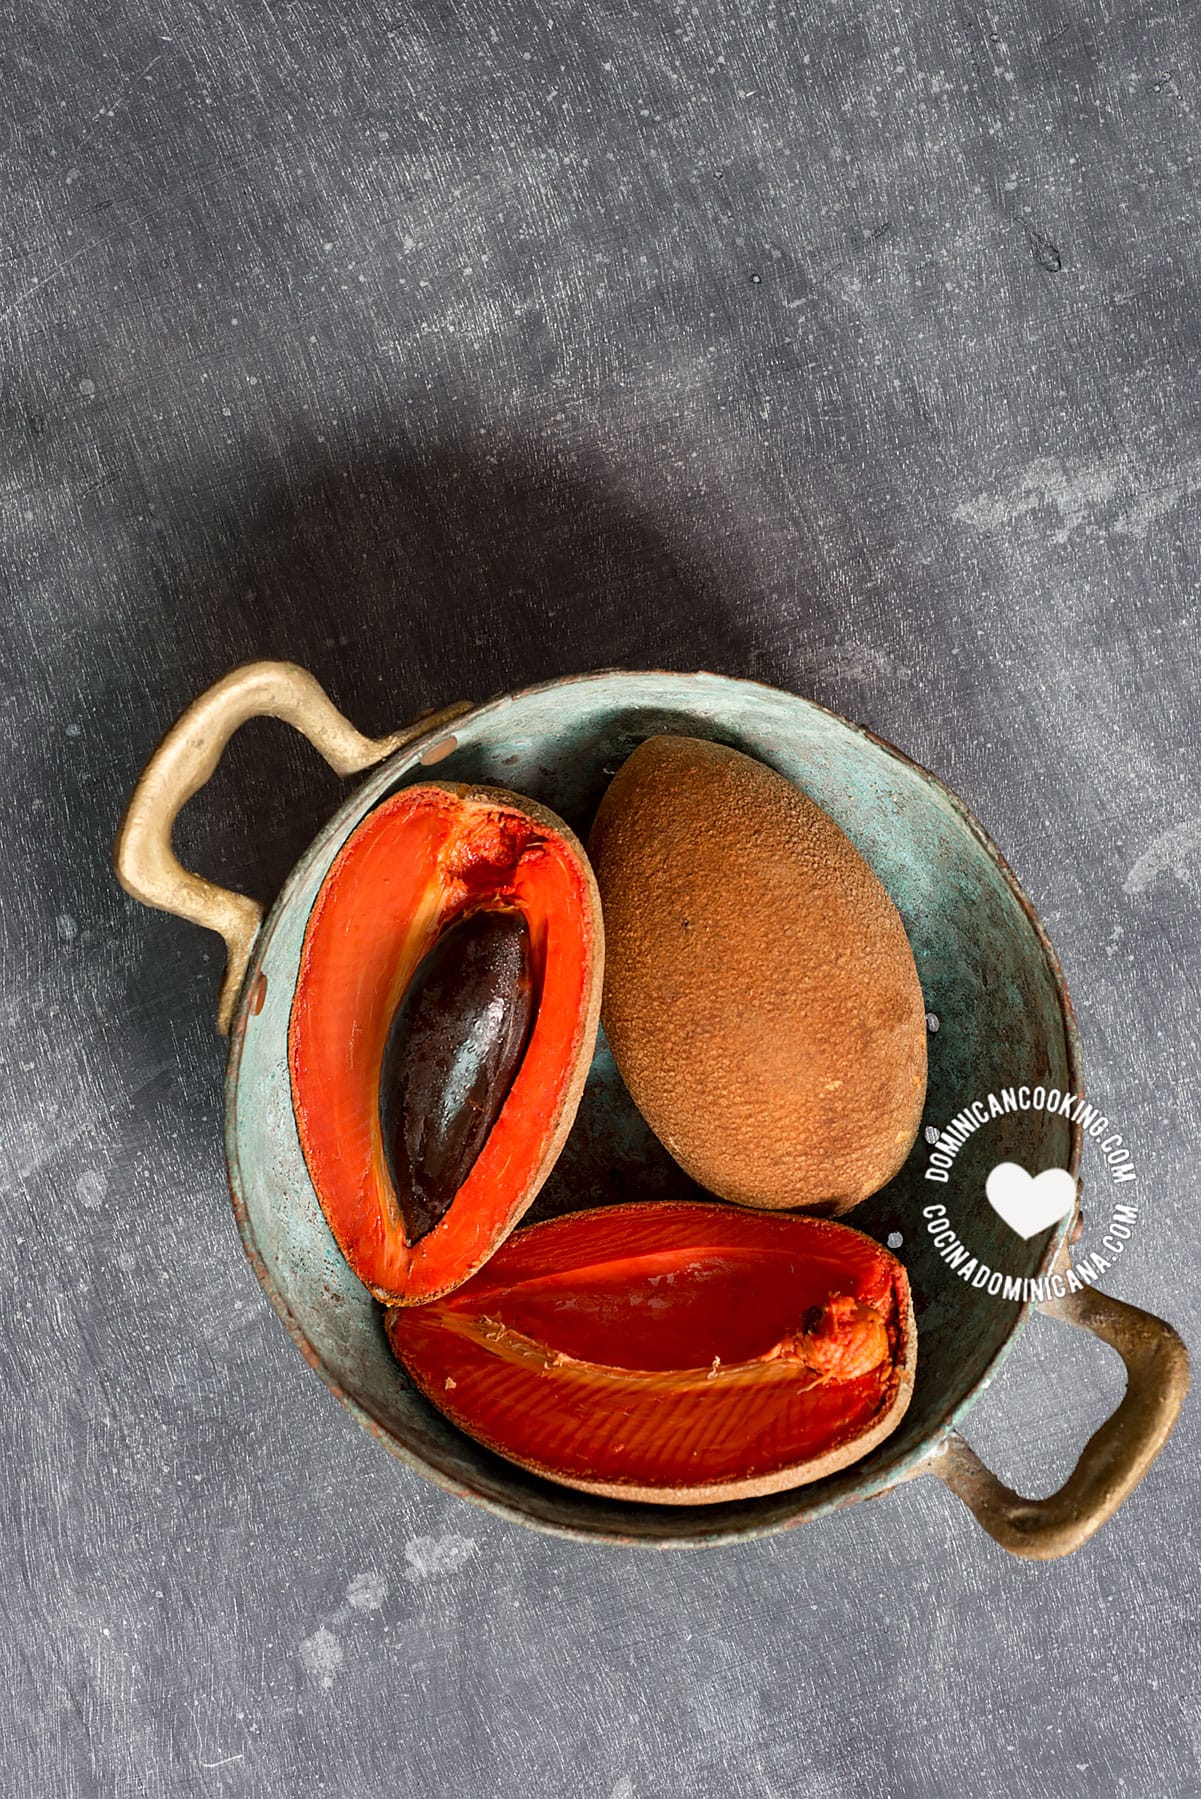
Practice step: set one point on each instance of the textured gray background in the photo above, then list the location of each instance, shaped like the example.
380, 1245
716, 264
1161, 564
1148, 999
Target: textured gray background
449, 346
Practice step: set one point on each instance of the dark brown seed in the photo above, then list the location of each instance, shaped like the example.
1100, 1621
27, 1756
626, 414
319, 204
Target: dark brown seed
452, 1053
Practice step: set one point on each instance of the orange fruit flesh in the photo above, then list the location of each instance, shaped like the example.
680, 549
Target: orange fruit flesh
416, 864
678, 1352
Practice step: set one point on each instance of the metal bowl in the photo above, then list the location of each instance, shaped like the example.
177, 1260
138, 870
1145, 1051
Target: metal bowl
1000, 1016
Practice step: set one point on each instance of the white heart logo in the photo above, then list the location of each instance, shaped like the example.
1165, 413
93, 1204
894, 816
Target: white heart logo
1030, 1202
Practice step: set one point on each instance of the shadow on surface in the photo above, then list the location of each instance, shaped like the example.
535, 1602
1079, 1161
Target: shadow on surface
405, 583
404, 579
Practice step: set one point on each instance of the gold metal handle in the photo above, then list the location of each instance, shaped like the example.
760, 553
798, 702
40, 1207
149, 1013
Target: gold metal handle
1116, 1456
143, 857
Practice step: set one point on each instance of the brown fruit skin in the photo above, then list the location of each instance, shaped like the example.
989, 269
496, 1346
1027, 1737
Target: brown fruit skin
760, 996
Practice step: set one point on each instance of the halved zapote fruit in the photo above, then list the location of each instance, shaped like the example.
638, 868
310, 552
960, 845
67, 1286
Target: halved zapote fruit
442, 1029
671, 1352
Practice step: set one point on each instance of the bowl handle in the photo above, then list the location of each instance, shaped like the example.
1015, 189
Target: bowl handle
145, 862
1114, 1459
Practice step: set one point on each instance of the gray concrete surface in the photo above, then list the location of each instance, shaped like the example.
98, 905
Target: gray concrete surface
446, 347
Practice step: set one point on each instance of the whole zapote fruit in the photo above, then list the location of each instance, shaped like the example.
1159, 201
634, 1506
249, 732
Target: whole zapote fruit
761, 997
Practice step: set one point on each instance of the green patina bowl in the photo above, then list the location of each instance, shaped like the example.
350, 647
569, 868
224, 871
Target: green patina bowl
999, 1016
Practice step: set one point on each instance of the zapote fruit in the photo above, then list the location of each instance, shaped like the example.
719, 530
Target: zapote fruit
678, 1353
761, 997
442, 1028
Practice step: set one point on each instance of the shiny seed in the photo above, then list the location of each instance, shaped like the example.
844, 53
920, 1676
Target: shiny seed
452, 1054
